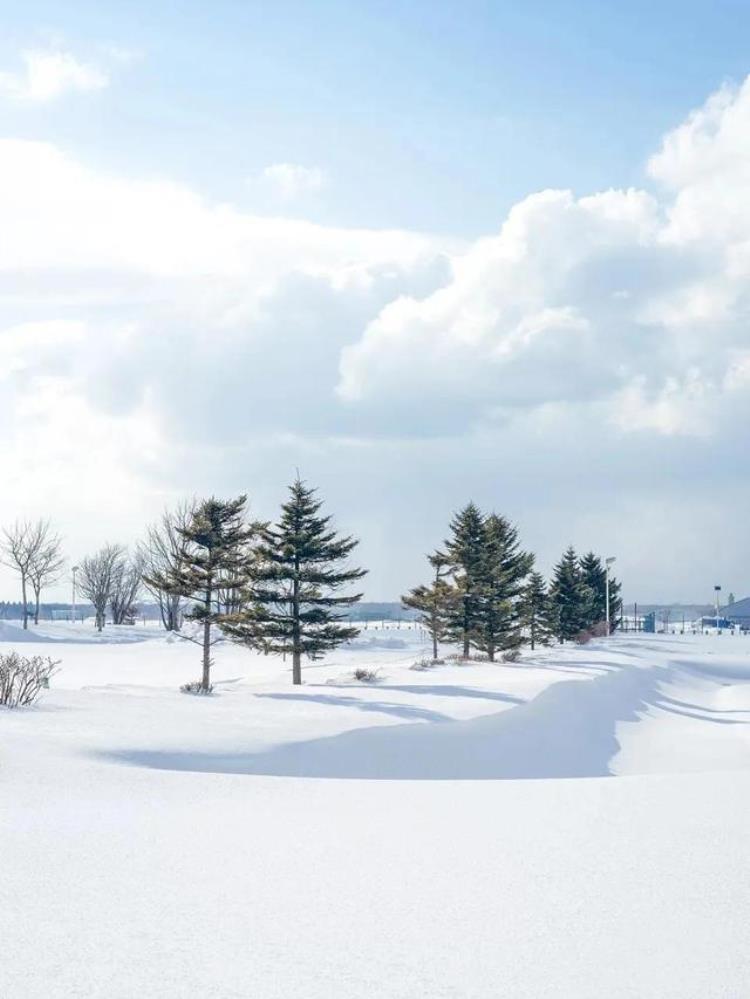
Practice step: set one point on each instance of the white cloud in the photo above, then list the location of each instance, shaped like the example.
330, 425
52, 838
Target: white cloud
183, 345
48, 74
290, 180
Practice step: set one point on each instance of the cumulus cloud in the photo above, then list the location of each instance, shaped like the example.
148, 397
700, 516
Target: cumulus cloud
290, 180
48, 74
185, 345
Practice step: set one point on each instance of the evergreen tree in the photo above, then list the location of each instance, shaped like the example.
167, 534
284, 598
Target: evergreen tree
594, 577
434, 602
502, 570
536, 613
299, 571
465, 553
594, 580
569, 597
214, 558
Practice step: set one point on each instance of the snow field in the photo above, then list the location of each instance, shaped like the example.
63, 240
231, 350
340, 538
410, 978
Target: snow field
166, 846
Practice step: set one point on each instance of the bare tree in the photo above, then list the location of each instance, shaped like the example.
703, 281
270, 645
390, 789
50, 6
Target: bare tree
127, 579
162, 552
20, 546
46, 568
97, 578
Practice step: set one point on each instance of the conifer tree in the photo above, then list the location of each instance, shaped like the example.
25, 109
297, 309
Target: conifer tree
502, 570
434, 602
465, 553
569, 598
296, 579
214, 558
536, 614
594, 577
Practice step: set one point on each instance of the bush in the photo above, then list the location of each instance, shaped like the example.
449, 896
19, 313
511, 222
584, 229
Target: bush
511, 656
599, 630
583, 637
22, 678
365, 675
196, 687
422, 664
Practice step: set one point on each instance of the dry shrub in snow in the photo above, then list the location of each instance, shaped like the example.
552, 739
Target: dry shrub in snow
196, 687
22, 678
365, 675
422, 664
599, 630
583, 637
511, 656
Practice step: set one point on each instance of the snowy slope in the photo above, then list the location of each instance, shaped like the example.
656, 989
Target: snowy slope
161, 845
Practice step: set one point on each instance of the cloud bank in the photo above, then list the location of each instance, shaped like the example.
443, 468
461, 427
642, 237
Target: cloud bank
585, 367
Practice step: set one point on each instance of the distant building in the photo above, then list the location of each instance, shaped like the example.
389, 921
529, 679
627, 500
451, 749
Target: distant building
738, 613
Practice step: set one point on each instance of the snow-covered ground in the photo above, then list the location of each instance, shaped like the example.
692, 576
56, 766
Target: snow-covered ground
574, 825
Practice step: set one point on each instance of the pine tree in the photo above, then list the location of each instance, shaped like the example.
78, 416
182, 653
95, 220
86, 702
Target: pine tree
298, 572
569, 598
434, 602
502, 571
594, 579
214, 557
536, 614
465, 553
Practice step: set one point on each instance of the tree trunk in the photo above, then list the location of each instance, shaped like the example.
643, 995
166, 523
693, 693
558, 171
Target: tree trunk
206, 678
25, 605
296, 650
38, 595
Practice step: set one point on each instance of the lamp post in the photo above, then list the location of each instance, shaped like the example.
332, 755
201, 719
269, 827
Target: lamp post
73, 604
607, 563
717, 591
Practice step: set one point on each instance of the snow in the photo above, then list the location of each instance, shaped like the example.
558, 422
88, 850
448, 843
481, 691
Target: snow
573, 825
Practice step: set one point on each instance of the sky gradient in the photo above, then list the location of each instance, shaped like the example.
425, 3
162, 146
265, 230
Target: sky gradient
424, 253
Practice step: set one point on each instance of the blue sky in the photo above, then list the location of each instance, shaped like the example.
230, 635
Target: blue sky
422, 252
433, 116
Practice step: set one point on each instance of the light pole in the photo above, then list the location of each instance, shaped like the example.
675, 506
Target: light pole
73, 605
607, 563
717, 591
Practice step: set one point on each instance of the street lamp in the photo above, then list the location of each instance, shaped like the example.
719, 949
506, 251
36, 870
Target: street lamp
717, 591
73, 605
607, 563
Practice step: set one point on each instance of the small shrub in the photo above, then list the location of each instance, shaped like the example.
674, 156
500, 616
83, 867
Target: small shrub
599, 630
196, 687
511, 656
422, 664
365, 675
22, 678
583, 637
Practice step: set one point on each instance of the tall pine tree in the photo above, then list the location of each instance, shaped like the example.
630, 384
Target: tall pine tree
594, 577
536, 616
214, 558
464, 552
502, 570
569, 598
299, 571
434, 602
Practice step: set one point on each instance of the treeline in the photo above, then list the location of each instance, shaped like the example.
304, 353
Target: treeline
484, 593
284, 588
